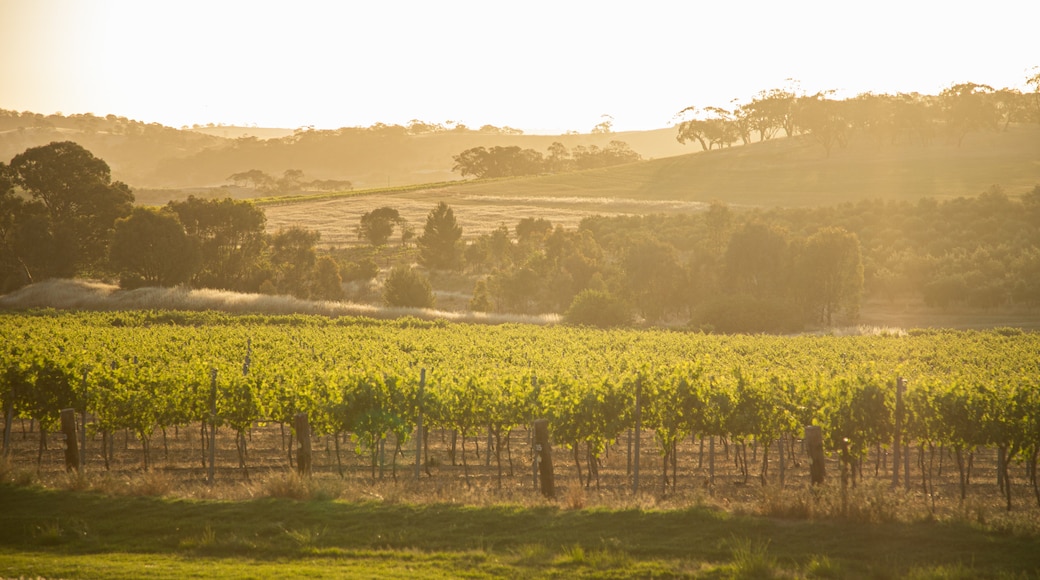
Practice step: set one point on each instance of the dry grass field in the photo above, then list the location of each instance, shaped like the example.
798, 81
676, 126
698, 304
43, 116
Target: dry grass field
337, 219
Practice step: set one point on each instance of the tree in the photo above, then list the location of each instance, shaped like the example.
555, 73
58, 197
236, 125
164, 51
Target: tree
378, 225
824, 120
82, 201
718, 220
653, 277
292, 180
773, 110
150, 248
328, 282
710, 131
533, 230
231, 239
405, 287
830, 268
757, 261
258, 179
20, 249
293, 257
1034, 81
604, 127
498, 162
968, 107
439, 246
559, 158
597, 308
481, 300
618, 152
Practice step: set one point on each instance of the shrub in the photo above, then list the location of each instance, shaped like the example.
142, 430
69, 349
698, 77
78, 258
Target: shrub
366, 269
744, 314
597, 308
408, 288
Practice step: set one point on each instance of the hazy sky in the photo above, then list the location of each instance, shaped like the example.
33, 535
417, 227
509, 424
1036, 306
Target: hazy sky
536, 65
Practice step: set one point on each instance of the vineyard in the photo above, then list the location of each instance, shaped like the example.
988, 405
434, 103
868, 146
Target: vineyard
694, 401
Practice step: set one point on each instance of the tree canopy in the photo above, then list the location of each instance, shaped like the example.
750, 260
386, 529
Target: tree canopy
150, 248
231, 239
481, 162
378, 225
405, 287
439, 245
82, 203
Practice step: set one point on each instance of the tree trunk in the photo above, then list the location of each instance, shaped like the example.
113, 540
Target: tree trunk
339, 459
577, 464
43, 445
8, 417
961, 472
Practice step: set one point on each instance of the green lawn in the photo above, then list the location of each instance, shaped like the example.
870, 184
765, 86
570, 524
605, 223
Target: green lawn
47, 533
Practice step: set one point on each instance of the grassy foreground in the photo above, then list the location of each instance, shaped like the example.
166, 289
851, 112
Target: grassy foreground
68, 534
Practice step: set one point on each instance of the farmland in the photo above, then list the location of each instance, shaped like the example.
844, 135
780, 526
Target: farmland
713, 409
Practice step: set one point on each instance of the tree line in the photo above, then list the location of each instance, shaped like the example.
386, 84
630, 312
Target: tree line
955, 112
482, 162
68, 218
776, 270
291, 181
723, 269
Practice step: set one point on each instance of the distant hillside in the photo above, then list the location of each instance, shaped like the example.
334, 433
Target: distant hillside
235, 132
378, 158
151, 156
131, 148
797, 172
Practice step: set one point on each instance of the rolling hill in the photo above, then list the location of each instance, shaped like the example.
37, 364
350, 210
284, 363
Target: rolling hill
796, 172
792, 172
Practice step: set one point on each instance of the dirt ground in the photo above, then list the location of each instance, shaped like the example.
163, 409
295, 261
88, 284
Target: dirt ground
178, 458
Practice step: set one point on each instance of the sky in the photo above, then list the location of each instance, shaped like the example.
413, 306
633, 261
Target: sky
540, 66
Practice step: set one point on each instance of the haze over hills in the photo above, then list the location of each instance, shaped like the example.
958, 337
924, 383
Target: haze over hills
154, 159
154, 156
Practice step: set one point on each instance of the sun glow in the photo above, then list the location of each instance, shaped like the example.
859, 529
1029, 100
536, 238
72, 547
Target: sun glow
550, 66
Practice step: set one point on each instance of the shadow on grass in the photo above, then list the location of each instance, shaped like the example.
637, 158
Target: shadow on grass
89, 523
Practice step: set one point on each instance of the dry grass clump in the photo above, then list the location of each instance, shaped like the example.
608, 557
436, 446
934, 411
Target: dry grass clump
74, 481
575, 498
150, 483
862, 330
291, 485
10, 473
86, 295
869, 502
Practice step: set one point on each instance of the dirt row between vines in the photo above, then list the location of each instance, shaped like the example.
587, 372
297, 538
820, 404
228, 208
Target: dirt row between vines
177, 469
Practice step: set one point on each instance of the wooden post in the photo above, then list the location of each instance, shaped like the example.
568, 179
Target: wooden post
543, 457
906, 465
83, 439
8, 418
814, 443
419, 426
639, 432
845, 465
897, 435
783, 460
628, 446
68, 427
83, 426
213, 425
303, 437
711, 465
